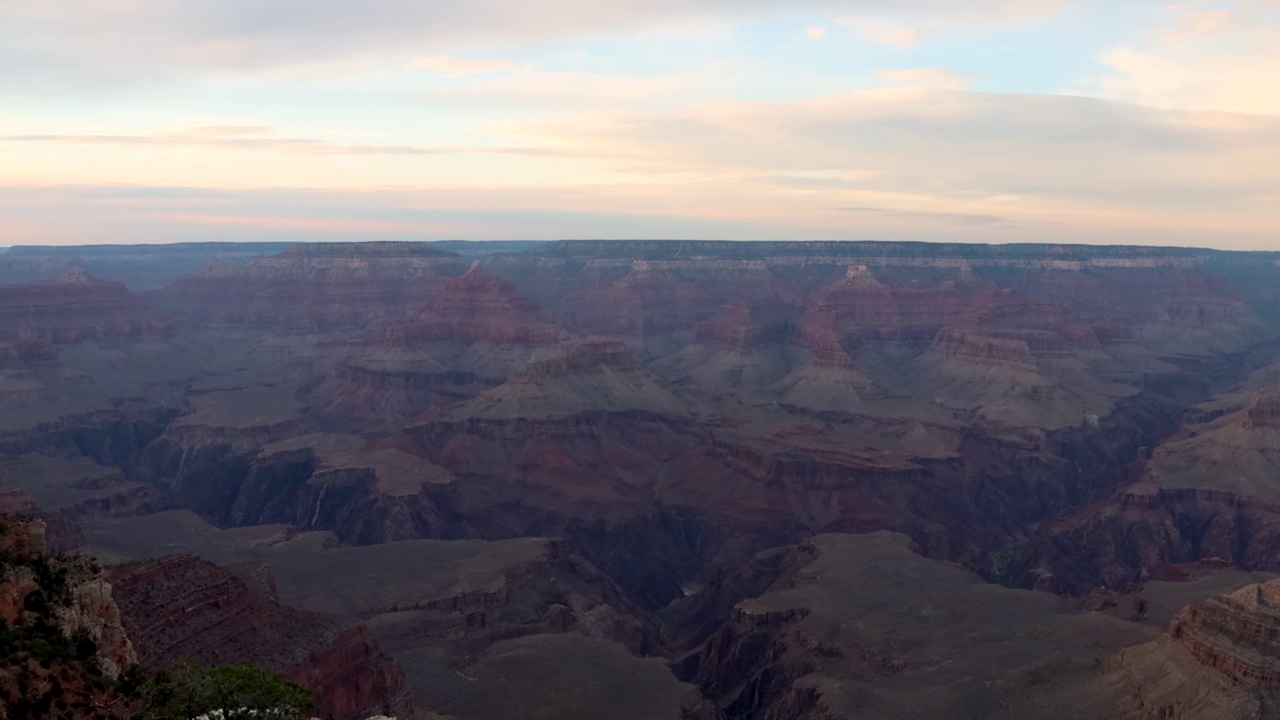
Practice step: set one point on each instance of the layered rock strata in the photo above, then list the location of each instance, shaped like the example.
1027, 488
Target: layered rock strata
182, 608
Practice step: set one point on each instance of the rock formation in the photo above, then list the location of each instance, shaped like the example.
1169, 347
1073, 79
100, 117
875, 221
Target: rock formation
1218, 660
478, 307
312, 287
62, 645
584, 377
1054, 417
182, 608
72, 308
1237, 635
1209, 493
860, 626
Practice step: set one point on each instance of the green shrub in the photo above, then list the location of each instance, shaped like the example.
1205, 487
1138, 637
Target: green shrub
229, 692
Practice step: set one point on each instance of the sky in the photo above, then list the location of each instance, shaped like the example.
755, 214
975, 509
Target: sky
140, 121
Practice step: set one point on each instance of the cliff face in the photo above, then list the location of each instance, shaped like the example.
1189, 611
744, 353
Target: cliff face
182, 607
86, 605
63, 644
1237, 635
1218, 660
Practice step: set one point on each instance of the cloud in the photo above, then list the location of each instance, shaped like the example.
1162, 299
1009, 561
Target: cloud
572, 91
894, 163
928, 77
815, 31
460, 67
260, 139
1070, 167
143, 214
1206, 57
898, 37
123, 41
954, 218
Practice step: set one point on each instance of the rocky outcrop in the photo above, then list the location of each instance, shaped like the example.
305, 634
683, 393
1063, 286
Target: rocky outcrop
93, 612
1237, 635
82, 602
62, 644
182, 607
468, 338
1219, 659
1263, 411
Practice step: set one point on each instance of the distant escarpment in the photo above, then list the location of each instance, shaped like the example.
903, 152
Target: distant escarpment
140, 267
182, 607
313, 287
72, 308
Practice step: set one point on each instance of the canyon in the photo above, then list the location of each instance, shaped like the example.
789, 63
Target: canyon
667, 479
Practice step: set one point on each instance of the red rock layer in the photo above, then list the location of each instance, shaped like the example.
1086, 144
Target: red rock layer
314, 287
864, 305
1264, 410
584, 355
662, 296
71, 309
1238, 635
982, 351
739, 325
183, 607
478, 307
